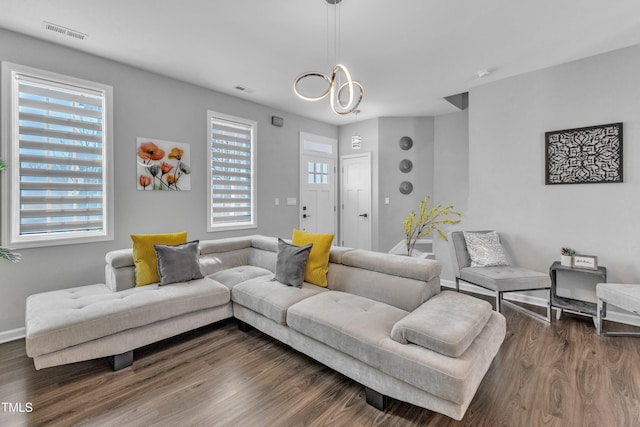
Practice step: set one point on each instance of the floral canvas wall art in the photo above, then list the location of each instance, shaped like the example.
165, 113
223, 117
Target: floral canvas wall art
163, 165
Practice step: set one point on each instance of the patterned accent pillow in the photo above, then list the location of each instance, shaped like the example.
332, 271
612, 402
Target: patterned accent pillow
485, 249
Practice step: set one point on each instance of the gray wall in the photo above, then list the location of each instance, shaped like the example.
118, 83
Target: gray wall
451, 175
392, 216
150, 105
507, 191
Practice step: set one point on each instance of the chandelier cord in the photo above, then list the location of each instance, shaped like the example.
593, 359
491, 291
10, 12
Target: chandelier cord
335, 87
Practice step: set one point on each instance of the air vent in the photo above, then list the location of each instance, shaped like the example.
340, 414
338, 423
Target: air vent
63, 31
244, 89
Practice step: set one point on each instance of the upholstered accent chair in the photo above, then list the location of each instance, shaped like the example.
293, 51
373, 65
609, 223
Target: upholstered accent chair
500, 277
620, 295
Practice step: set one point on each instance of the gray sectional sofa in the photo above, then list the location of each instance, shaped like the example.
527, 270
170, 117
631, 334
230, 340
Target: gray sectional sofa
382, 320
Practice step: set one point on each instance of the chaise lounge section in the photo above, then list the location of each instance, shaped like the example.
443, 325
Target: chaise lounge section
381, 320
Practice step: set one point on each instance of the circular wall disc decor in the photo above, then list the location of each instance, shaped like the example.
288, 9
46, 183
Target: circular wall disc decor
406, 165
406, 187
406, 143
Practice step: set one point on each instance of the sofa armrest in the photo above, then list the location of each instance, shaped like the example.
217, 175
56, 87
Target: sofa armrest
119, 272
119, 258
447, 323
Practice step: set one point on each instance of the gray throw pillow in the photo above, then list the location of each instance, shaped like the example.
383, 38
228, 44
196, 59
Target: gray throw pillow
485, 249
178, 263
291, 262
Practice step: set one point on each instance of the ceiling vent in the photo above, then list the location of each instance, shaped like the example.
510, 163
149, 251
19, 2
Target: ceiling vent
63, 31
244, 89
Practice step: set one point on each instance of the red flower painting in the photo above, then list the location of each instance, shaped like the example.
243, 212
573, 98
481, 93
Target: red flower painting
158, 170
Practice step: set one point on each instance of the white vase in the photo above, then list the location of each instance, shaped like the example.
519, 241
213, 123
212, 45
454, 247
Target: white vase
566, 260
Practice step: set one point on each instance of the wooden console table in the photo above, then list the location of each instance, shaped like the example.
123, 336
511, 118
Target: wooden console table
588, 277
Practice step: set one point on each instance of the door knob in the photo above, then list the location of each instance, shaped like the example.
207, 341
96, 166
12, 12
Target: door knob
364, 215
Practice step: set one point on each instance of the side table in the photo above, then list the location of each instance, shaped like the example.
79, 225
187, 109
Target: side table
587, 278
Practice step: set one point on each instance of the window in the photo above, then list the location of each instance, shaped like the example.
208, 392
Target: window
318, 173
57, 144
232, 189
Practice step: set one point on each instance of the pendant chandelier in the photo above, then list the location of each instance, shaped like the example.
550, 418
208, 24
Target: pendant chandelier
340, 85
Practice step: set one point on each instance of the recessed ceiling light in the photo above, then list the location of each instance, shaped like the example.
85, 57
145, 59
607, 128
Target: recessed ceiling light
483, 73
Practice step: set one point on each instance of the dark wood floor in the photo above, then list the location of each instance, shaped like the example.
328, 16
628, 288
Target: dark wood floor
544, 375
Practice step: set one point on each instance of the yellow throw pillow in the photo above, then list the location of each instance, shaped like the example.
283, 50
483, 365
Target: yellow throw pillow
318, 263
144, 254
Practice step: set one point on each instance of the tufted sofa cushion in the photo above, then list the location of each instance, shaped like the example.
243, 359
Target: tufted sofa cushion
60, 319
270, 298
448, 323
232, 276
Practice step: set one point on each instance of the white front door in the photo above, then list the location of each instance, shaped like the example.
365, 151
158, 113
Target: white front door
355, 193
318, 186
317, 203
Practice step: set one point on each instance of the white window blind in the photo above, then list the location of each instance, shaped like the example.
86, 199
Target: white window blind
232, 162
59, 160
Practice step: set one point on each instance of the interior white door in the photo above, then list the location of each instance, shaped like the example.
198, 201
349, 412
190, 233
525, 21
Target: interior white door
318, 198
355, 186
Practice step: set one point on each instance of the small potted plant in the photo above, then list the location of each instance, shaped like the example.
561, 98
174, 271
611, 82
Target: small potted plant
566, 257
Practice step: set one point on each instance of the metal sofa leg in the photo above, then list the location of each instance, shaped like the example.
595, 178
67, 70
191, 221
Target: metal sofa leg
498, 301
377, 400
121, 361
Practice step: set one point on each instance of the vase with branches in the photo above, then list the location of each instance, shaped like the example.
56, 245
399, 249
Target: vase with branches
6, 253
426, 221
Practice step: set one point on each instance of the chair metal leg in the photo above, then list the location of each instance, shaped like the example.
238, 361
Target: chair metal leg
600, 315
601, 311
500, 301
549, 307
531, 313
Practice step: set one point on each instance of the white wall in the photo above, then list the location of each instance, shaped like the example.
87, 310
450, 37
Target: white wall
507, 191
150, 105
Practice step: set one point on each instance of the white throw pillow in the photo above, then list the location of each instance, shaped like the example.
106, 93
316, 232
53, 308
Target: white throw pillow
485, 249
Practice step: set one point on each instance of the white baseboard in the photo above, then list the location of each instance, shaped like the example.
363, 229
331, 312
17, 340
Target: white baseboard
612, 314
12, 335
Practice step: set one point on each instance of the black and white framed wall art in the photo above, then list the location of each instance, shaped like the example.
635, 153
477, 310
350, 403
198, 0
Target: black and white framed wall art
586, 155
